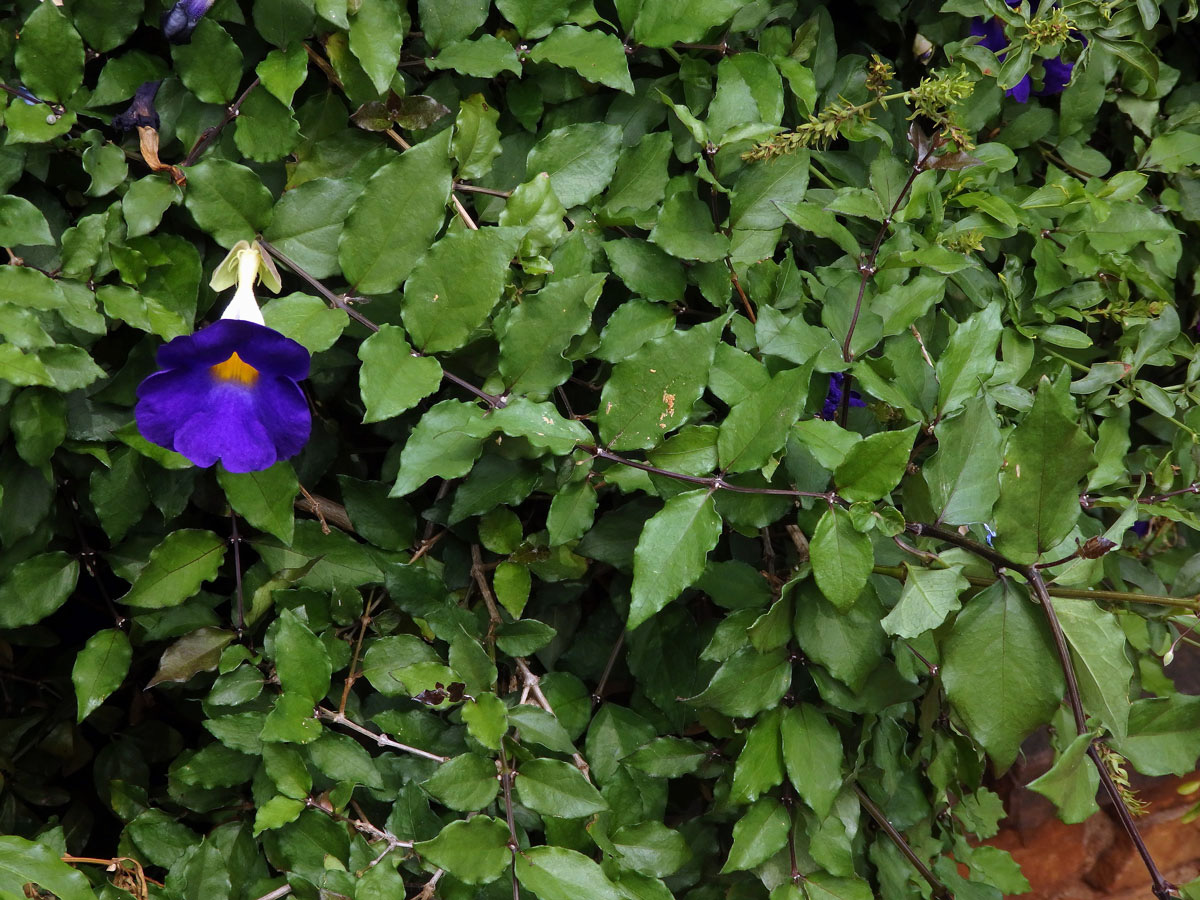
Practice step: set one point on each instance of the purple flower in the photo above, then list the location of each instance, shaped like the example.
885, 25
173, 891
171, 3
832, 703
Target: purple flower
141, 112
26, 95
833, 399
1140, 529
181, 20
1057, 72
228, 392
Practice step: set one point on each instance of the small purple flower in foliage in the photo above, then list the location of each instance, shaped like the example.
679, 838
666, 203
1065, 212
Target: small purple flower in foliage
230, 391
181, 20
1057, 73
141, 112
833, 399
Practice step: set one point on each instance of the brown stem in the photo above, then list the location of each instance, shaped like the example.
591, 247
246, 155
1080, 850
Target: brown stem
351, 676
489, 598
337, 302
598, 694
1193, 488
236, 540
1161, 888
737, 286
506, 776
210, 134
867, 264
940, 891
330, 715
712, 482
476, 189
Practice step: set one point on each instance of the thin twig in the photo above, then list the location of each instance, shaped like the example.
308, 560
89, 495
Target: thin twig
489, 598
210, 134
281, 891
1161, 888
514, 844
476, 189
940, 891
533, 682
351, 676
598, 694
331, 715
236, 540
712, 482
737, 285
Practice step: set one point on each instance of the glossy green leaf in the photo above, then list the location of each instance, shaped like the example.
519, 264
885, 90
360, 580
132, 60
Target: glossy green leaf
100, 669
1002, 703
812, 752
671, 552
841, 558
474, 851
392, 379
176, 569
929, 595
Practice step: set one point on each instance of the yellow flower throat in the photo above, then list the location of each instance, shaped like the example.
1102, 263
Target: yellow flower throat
235, 369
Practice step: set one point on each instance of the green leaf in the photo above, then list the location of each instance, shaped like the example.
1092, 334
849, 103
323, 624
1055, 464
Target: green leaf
533, 18
762, 188
445, 21
176, 569
747, 683
1098, 655
38, 420
596, 56
210, 65
306, 320
265, 498
757, 427
536, 334
1071, 782
1039, 489
145, 202
875, 465
283, 71
646, 270
467, 782
392, 379
572, 511
671, 552
266, 130
1003, 702
660, 23
668, 757
556, 873
444, 444
227, 200
968, 360
841, 558
760, 764
580, 160
485, 57
1172, 152
99, 669
929, 595
1164, 735
277, 812
455, 286
823, 886
512, 584
50, 54
685, 229
377, 32
308, 221
475, 851
195, 652
379, 248
556, 788
301, 660
486, 718
36, 587
812, 752
651, 849
640, 181
22, 223
476, 141
758, 835
963, 476
25, 862
652, 392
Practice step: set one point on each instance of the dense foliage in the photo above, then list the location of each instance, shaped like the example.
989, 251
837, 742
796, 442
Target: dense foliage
736, 427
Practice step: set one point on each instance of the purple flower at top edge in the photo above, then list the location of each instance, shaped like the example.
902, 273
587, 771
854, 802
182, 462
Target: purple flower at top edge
1057, 72
141, 111
181, 20
228, 392
833, 399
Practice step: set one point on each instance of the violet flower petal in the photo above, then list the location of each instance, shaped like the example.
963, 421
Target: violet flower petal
228, 393
181, 20
1058, 75
141, 112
